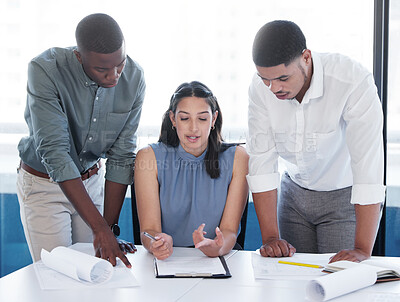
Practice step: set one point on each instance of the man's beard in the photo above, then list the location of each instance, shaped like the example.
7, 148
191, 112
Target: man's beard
303, 72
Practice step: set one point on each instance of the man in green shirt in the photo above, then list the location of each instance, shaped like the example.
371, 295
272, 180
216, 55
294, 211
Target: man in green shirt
83, 104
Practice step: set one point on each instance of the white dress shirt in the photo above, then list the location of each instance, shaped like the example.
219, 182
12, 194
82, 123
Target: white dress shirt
331, 140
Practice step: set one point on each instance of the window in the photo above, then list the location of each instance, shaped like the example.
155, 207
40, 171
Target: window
174, 41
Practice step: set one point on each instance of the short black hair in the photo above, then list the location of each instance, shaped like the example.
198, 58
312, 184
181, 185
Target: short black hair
99, 33
278, 42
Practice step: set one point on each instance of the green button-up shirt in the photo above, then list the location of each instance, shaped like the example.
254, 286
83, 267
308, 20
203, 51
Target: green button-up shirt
73, 122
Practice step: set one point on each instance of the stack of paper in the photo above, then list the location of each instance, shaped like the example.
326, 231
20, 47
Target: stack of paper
386, 270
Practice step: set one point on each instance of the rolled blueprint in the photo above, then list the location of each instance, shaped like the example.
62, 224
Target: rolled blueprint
78, 265
339, 283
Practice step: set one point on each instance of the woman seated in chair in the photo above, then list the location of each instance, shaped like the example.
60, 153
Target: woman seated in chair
190, 187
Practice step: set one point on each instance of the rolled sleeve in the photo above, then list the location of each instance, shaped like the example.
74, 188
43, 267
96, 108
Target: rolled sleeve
367, 194
120, 171
62, 171
262, 183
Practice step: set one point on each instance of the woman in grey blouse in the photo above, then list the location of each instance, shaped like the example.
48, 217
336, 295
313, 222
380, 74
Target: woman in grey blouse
190, 187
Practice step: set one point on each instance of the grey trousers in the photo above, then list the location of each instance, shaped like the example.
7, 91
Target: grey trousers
316, 221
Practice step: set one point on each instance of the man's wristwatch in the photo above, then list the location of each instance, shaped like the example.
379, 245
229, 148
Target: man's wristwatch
115, 229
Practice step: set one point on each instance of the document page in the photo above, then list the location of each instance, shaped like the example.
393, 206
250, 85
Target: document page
189, 261
190, 265
270, 268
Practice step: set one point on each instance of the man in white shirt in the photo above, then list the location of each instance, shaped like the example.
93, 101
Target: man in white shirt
321, 114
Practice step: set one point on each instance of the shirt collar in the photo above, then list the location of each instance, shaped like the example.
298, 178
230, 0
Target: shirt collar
190, 157
316, 88
83, 78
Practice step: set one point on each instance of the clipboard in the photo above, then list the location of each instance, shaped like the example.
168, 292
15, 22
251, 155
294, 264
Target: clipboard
174, 268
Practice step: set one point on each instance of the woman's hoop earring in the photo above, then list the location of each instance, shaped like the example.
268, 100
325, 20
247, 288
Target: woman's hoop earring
212, 128
173, 127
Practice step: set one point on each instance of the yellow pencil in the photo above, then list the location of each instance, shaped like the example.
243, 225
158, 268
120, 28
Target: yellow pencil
301, 264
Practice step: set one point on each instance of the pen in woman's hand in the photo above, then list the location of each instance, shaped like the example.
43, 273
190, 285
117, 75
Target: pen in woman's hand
149, 236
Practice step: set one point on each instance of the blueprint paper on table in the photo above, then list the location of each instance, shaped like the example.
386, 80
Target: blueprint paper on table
270, 268
343, 282
347, 276
66, 268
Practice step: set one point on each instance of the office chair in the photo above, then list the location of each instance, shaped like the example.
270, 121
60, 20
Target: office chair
136, 227
243, 223
135, 218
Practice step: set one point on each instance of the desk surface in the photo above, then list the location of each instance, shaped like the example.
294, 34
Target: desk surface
23, 285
